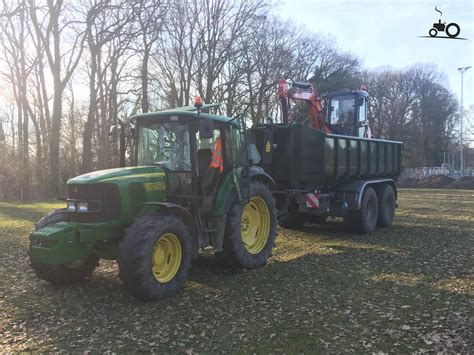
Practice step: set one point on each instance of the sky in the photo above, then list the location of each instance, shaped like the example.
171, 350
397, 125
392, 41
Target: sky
385, 33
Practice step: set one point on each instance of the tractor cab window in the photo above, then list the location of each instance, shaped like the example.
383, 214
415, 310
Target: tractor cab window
207, 143
341, 111
165, 144
236, 148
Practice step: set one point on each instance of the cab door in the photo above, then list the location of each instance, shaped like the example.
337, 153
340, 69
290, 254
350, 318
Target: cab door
237, 160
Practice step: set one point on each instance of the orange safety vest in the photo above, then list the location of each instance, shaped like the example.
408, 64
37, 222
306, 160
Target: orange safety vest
216, 161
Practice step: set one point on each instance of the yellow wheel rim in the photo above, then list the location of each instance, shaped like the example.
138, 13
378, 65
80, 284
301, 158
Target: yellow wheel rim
166, 258
255, 225
75, 264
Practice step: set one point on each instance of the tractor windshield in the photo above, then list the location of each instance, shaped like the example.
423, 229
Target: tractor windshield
164, 144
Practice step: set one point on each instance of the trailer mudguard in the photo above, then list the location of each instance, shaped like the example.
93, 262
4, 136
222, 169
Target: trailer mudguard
352, 192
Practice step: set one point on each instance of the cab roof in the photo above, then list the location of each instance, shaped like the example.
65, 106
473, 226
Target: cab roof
189, 112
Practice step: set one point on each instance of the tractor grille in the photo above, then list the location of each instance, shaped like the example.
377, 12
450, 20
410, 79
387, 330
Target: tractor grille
107, 196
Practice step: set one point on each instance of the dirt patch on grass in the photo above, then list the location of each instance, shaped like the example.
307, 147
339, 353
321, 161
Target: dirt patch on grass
466, 183
405, 183
437, 182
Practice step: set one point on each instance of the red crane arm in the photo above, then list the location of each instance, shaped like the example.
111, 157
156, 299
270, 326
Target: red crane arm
289, 90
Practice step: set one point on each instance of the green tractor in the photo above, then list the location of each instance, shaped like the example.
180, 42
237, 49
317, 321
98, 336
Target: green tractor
194, 185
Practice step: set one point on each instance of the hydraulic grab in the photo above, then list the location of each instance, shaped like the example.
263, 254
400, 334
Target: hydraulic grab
346, 111
289, 90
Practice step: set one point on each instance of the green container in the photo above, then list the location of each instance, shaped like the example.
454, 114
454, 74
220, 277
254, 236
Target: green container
301, 157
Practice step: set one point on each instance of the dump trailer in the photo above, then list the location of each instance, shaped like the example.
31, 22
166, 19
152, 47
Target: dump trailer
320, 175
331, 166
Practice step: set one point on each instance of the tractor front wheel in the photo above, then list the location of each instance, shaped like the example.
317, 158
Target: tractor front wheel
155, 257
250, 229
65, 274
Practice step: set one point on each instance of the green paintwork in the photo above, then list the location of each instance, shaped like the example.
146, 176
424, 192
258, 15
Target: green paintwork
73, 240
65, 242
58, 244
226, 189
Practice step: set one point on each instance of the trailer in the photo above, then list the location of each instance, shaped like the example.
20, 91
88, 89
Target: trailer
320, 173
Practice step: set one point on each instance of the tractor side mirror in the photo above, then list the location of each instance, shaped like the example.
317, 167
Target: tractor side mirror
113, 134
206, 129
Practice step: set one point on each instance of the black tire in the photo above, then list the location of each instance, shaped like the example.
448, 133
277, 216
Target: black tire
67, 273
433, 32
364, 220
453, 35
136, 256
235, 252
52, 217
386, 203
291, 220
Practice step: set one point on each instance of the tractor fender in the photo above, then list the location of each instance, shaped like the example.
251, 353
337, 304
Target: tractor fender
172, 208
257, 173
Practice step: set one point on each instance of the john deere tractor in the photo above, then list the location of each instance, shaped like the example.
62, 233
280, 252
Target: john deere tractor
194, 185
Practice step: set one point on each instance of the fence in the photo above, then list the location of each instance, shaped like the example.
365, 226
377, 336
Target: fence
445, 169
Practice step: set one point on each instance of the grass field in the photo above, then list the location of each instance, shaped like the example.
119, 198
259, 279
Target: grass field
404, 289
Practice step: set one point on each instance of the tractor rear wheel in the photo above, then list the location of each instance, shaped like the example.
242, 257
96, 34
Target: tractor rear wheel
250, 230
155, 257
386, 203
363, 220
65, 273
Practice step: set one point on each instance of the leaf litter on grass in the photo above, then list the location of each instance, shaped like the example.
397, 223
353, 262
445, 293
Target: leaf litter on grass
404, 289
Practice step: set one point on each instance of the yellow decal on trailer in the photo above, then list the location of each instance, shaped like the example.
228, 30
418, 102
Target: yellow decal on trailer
268, 147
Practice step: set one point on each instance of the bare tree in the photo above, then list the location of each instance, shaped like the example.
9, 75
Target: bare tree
149, 16
50, 23
13, 39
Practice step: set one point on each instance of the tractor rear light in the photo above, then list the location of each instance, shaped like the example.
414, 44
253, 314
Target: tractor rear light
82, 207
71, 206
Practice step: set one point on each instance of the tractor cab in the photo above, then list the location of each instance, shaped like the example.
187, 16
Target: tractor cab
196, 151
347, 113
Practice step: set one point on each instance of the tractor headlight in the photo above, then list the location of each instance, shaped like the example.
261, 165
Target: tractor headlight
82, 207
71, 206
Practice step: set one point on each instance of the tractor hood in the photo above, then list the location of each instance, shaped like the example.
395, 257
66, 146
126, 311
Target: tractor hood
119, 174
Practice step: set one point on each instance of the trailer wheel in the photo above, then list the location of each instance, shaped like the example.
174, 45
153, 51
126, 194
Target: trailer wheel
250, 230
291, 220
363, 220
155, 257
66, 273
386, 203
